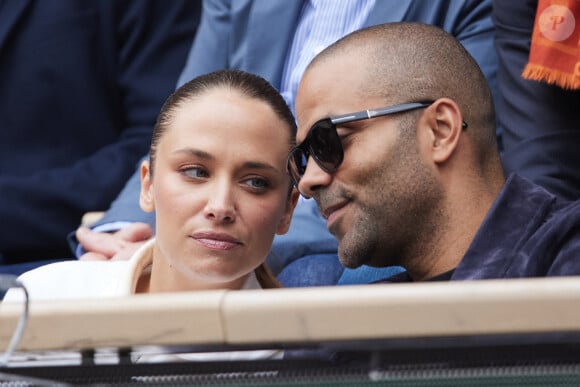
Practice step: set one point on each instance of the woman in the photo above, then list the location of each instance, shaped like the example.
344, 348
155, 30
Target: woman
217, 180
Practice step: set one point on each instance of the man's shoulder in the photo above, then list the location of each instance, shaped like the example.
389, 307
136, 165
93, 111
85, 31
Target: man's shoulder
523, 200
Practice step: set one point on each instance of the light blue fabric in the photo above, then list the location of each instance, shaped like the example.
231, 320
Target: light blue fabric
312, 270
320, 24
126, 208
366, 274
256, 36
307, 236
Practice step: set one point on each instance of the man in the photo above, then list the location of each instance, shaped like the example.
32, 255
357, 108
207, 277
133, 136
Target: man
414, 178
277, 39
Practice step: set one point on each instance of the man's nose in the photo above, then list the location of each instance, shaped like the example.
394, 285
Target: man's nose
314, 179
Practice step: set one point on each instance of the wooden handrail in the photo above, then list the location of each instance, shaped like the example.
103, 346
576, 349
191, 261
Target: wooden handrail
301, 315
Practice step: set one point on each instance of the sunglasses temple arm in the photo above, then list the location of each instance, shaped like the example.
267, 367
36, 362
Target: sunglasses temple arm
364, 114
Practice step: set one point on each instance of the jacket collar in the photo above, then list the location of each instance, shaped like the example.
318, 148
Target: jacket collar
507, 227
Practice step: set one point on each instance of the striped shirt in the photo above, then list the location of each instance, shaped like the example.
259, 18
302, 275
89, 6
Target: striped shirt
322, 22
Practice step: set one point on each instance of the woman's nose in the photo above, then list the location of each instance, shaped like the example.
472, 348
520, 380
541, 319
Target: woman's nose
220, 206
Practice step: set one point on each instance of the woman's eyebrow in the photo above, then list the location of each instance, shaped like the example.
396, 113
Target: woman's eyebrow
259, 165
195, 152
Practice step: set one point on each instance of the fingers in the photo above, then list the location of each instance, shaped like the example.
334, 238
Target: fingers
127, 251
135, 232
97, 242
118, 245
93, 257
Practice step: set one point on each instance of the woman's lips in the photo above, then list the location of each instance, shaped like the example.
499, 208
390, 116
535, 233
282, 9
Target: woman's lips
216, 241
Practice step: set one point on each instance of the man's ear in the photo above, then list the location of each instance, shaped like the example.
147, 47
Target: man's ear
446, 125
284, 223
146, 200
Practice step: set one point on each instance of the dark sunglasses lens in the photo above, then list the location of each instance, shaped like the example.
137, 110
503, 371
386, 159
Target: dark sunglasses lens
325, 145
297, 164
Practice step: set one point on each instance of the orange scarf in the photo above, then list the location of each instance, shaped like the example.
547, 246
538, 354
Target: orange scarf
554, 52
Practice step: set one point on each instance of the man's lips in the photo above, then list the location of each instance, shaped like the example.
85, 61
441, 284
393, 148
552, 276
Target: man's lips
216, 241
330, 213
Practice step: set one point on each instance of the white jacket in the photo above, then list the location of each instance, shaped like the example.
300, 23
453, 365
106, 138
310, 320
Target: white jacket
100, 279
91, 279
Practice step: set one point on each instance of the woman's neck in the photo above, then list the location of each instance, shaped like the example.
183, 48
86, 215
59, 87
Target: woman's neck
158, 276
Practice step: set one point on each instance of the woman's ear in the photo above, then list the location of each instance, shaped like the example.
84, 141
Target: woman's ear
446, 126
146, 200
284, 223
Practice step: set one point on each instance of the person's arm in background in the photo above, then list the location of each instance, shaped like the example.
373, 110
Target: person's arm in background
210, 49
153, 38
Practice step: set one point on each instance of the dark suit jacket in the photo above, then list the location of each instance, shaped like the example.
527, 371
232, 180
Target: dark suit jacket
81, 83
541, 121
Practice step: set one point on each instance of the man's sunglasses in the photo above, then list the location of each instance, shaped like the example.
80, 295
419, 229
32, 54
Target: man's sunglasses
323, 142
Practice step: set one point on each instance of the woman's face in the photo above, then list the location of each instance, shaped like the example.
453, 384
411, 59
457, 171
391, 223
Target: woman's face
219, 189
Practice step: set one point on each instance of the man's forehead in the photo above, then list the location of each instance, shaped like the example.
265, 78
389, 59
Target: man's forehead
333, 94
327, 81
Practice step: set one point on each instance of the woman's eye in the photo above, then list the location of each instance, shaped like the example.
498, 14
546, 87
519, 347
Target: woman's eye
194, 172
257, 183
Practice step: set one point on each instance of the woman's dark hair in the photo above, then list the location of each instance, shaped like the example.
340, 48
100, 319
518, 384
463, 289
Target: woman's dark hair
250, 85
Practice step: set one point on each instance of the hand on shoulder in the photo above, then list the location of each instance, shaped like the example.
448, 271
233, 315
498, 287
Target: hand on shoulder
120, 245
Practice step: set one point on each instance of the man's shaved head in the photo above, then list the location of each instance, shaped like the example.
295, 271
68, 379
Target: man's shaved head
414, 62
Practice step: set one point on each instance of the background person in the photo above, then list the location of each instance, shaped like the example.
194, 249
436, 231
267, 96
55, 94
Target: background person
81, 83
